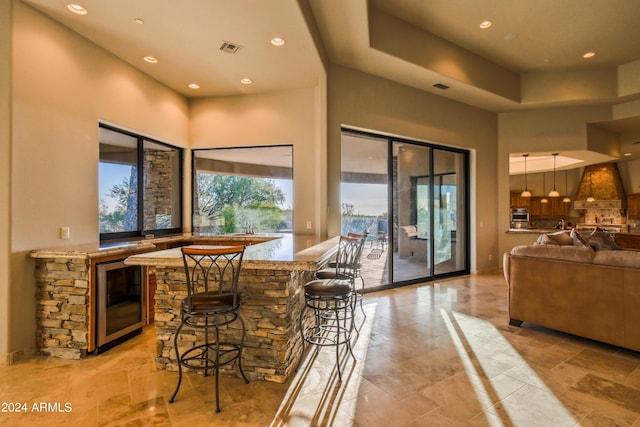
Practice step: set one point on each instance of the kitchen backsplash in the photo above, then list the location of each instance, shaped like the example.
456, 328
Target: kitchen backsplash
604, 216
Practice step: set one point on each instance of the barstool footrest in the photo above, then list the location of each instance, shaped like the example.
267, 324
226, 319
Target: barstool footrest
204, 356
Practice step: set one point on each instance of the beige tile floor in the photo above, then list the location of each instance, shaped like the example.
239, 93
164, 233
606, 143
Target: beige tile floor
434, 354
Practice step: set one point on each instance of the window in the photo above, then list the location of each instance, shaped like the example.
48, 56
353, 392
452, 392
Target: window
140, 185
239, 190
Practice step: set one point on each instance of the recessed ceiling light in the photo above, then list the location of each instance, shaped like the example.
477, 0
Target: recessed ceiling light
151, 59
139, 21
278, 41
546, 60
589, 55
485, 24
511, 36
77, 9
246, 81
194, 86
627, 154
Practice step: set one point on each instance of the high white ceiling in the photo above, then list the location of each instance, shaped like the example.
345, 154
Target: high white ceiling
185, 37
535, 37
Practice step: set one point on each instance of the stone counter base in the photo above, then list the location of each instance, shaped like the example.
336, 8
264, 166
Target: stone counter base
62, 307
271, 307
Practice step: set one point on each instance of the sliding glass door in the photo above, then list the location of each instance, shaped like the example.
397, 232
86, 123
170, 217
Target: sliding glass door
364, 193
413, 211
413, 204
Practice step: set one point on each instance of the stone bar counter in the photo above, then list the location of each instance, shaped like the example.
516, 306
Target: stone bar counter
274, 270
66, 279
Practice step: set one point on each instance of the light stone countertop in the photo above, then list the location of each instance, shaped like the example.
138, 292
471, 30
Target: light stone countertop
286, 251
265, 250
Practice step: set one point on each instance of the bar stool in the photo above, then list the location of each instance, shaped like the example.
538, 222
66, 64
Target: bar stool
347, 265
212, 302
332, 321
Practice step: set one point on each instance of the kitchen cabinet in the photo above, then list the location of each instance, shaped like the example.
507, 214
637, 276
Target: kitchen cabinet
555, 208
633, 206
627, 240
519, 202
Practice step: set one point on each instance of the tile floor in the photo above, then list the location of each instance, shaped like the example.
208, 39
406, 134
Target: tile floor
434, 354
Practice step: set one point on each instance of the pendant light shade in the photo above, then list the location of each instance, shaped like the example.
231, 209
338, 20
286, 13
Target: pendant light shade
554, 192
544, 185
526, 192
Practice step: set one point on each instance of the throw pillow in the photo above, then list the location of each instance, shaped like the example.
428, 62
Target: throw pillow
578, 239
600, 240
544, 239
561, 238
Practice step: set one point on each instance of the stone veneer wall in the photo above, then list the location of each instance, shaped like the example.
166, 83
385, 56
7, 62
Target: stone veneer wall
158, 187
62, 305
271, 307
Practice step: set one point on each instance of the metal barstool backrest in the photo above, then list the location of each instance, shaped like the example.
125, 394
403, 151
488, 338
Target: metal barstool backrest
213, 271
358, 235
348, 257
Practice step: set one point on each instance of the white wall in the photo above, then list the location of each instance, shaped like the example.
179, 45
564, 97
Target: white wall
5, 173
63, 86
282, 118
363, 101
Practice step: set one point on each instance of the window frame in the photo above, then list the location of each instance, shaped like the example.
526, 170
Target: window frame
140, 231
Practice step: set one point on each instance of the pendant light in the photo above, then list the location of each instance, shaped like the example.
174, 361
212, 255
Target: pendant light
544, 185
526, 192
566, 199
554, 192
590, 199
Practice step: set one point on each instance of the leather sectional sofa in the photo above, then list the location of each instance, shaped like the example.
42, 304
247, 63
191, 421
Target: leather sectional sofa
575, 289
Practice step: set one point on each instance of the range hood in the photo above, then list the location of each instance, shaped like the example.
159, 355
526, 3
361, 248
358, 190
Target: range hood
602, 182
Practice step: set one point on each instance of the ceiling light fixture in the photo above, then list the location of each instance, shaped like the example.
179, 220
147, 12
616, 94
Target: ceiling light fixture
554, 192
511, 36
151, 59
139, 21
485, 24
544, 185
526, 192
194, 86
589, 55
77, 9
246, 81
278, 41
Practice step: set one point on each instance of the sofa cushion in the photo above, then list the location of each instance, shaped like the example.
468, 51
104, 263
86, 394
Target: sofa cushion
544, 239
618, 258
560, 238
581, 254
600, 240
578, 239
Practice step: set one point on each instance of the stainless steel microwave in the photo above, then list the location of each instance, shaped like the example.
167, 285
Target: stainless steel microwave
519, 215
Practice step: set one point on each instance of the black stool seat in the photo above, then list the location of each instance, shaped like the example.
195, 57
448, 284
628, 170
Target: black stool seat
327, 288
207, 303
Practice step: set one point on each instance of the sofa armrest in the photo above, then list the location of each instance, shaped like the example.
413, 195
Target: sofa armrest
506, 265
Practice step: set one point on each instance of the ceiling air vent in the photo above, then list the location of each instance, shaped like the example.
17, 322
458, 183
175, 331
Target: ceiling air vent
441, 86
229, 47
